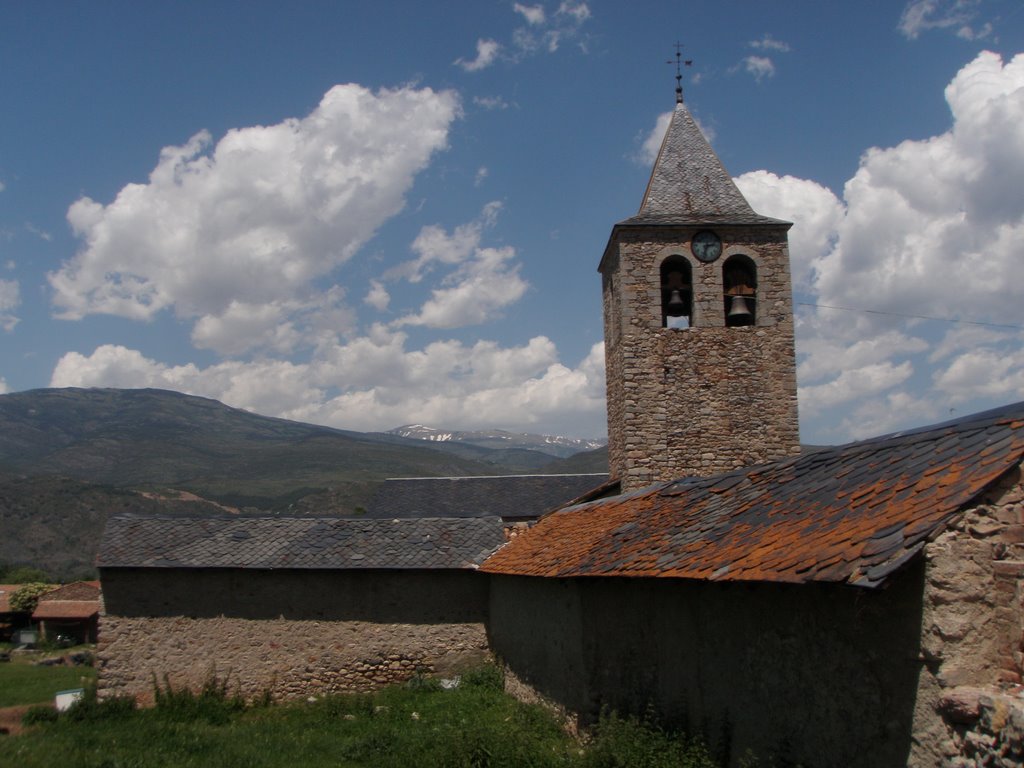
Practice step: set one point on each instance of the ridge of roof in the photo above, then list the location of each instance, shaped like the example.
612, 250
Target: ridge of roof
500, 477
851, 514
508, 496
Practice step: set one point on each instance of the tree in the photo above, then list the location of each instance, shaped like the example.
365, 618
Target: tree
26, 597
25, 574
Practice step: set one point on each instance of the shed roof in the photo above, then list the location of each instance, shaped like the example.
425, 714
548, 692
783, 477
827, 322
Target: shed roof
277, 542
66, 609
508, 496
76, 590
853, 513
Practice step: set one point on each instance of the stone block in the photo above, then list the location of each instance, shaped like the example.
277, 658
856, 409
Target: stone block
961, 705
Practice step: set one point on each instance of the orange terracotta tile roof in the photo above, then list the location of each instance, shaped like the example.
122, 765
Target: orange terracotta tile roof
6, 590
66, 609
76, 590
853, 514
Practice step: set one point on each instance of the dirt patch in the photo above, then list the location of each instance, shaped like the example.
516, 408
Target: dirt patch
10, 719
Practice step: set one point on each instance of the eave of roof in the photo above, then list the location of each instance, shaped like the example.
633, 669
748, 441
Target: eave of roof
66, 609
852, 514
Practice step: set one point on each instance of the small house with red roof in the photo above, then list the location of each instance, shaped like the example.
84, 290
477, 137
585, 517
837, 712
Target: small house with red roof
71, 610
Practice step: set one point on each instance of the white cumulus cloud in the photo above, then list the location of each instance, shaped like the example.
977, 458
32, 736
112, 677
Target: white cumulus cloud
221, 229
378, 296
652, 144
957, 16
929, 228
935, 226
814, 210
486, 54
10, 299
853, 383
534, 14
546, 33
769, 43
475, 292
375, 382
759, 67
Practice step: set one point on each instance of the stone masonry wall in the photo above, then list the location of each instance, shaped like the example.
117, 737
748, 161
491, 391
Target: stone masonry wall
708, 398
970, 710
292, 633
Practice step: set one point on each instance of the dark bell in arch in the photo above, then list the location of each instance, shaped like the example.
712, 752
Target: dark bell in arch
739, 312
676, 306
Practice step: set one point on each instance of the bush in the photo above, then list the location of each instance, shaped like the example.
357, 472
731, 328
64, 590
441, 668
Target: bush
40, 713
26, 597
211, 705
635, 743
489, 677
90, 708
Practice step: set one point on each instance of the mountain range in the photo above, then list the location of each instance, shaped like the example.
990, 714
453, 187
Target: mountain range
499, 439
70, 457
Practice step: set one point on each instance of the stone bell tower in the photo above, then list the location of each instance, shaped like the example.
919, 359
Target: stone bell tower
698, 324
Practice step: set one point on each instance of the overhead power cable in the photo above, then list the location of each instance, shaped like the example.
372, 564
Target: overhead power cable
911, 317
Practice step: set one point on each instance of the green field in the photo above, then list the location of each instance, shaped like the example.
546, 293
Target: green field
475, 726
21, 682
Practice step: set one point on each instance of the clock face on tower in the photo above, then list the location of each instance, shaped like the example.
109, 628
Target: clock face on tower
706, 246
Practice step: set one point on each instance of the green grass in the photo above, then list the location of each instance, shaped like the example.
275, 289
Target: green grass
21, 682
474, 726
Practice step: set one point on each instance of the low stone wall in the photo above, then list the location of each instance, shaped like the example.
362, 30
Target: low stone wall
291, 633
291, 659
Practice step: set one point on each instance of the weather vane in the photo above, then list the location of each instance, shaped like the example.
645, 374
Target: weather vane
680, 63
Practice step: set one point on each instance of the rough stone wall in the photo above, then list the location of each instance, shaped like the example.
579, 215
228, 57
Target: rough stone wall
819, 675
708, 398
972, 633
292, 633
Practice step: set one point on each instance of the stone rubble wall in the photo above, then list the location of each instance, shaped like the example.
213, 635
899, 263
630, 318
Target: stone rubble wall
705, 399
290, 659
969, 705
988, 728
291, 633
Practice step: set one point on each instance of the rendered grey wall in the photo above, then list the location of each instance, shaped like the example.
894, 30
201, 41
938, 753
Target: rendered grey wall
827, 673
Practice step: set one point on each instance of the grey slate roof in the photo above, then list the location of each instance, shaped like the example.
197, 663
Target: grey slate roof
689, 185
852, 514
509, 496
276, 542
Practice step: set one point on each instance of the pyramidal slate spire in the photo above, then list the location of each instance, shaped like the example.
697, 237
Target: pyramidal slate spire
689, 184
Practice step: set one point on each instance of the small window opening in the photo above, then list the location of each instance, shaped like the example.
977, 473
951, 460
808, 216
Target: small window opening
676, 293
739, 279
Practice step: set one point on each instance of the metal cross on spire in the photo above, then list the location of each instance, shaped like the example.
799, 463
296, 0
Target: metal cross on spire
680, 62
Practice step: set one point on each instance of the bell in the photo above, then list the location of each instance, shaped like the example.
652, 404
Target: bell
676, 306
738, 309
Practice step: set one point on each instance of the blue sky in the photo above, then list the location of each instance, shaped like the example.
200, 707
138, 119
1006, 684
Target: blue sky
366, 215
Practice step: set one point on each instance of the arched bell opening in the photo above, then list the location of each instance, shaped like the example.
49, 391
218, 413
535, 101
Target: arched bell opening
739, 280
676, 293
